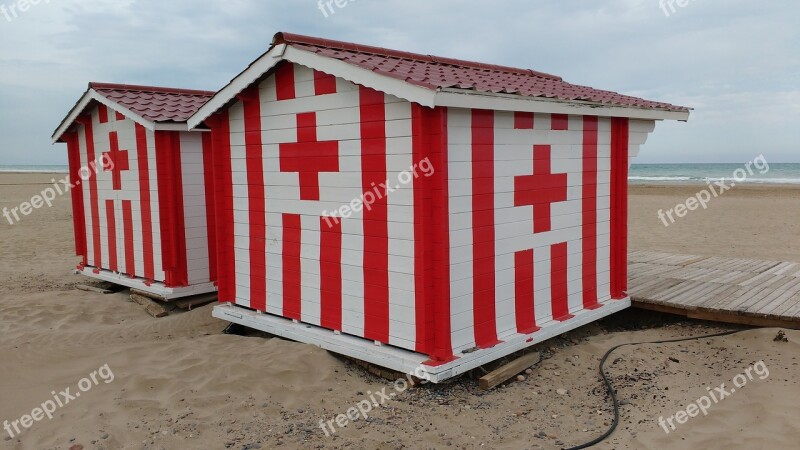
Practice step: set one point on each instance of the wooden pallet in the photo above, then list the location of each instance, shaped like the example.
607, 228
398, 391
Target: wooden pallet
159, 307
734, 290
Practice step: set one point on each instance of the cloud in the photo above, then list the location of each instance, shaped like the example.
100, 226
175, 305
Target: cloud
735, 62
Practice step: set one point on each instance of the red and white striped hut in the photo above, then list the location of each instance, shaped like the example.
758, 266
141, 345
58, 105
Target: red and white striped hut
421, 213
139, 195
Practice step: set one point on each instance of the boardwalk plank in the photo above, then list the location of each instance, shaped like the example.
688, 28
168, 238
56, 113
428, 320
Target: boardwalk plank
753, 296
754, 307
703, 293
707, 294
658, 285
680, 294
736, 290
782, 268
775, 303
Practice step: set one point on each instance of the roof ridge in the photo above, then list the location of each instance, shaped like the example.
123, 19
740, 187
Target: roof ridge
134, 87
291, 38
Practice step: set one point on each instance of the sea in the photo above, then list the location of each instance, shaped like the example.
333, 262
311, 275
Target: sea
772, 173
777, 173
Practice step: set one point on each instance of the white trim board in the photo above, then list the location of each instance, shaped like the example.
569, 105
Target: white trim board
87, 97
155, 288
91, 94
398, 359
358, 75
458, 98
259, 67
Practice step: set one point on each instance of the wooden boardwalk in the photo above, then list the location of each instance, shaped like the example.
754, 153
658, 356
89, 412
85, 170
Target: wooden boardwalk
734, 290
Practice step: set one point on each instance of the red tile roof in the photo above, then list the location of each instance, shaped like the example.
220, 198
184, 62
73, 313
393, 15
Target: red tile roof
439, 73
156, 104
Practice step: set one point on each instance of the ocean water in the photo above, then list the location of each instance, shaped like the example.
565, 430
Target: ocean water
772, 173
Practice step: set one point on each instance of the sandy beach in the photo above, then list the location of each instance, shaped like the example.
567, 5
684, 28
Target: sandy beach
179, 382
750, 221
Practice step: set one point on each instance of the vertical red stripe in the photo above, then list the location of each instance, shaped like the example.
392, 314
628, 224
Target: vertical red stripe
420, 147
127, 237
284, 81
559, 122
255, 194
179, 224
78, 211
223, 197
589, 216
558, 282
93, 200
323, 83
524, 288
330, 269
431, 129
166, 207
102, 111
291, 266
170, 204
144, 202
483, 233
111, 224
118, 115
211, 217
523, 120
619, 207
443, 347
376, 242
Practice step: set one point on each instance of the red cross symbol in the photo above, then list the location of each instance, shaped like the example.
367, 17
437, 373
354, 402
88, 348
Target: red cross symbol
116, 161
541, 189
308, 156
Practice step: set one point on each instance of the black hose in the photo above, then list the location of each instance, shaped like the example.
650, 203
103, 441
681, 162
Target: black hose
613, 394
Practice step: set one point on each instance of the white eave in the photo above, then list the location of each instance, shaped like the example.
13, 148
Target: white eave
460, 98
398, 87
91, 94
283, 52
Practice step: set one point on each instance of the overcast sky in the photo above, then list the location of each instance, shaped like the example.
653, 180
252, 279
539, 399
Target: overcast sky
736, 62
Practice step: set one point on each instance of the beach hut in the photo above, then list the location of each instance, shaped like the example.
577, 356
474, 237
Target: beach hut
420, 213
139, 192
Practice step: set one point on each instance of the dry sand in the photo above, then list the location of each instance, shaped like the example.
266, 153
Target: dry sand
755, 221
180, 383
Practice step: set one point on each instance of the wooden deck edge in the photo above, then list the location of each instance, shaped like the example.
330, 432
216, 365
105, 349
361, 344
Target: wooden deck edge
660, 306
720, 316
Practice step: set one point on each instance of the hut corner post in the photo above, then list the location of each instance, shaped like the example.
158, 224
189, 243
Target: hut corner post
620, 137
430, 131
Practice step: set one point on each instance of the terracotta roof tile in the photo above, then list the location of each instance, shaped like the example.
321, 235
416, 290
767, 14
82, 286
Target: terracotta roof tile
157, 104
440, 73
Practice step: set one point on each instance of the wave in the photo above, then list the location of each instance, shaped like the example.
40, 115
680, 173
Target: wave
674, 178
773, 180
668, 179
